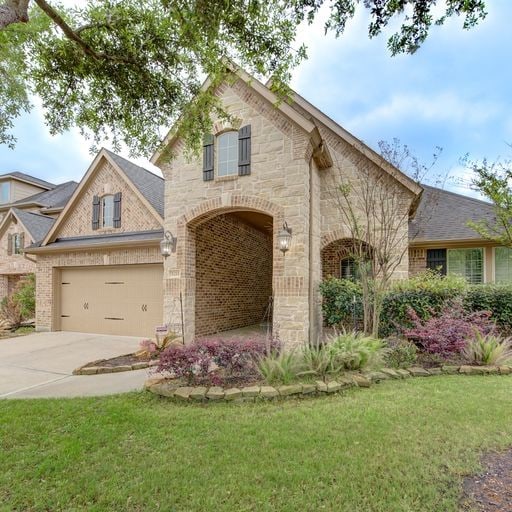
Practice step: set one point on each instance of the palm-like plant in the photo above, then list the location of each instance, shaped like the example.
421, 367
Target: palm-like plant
488, 349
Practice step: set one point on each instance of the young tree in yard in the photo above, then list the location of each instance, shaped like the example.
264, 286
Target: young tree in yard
494, 181
374, 211
123, 69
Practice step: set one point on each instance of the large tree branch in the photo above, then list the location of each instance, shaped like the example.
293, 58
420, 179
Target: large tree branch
72, 35
13, 11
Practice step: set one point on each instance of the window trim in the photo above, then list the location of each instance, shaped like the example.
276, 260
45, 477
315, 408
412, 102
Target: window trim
494, 262
111, 225
16, 244
218, 137
9, 186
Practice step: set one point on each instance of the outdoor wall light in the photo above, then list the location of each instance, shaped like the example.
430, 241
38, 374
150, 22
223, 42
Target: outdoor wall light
168, 244
284, 238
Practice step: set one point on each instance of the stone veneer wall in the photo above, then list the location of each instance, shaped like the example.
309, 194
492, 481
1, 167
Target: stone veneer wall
233, 274
47, 265
417, 261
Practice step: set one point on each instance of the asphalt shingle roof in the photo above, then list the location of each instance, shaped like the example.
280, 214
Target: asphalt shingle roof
30, 179
36, 224
443, 215
149, 185
55, 198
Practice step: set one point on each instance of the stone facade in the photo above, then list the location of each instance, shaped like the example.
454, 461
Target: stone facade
233, 276
284, 184
106, 180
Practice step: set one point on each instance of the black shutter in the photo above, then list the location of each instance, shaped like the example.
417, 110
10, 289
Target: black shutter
436, 260
9, 245
117, 210
95, 212
208, 157
244, 150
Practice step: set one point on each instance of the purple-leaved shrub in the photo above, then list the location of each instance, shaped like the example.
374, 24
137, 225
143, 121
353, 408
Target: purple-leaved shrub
199, 362
448, 332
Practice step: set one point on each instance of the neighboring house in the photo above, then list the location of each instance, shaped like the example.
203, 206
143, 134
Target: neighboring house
27, 212
100, 267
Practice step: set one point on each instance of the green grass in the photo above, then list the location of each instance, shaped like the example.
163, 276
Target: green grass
402, 446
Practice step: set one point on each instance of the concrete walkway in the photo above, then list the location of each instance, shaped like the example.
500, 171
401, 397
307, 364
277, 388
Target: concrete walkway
40, 365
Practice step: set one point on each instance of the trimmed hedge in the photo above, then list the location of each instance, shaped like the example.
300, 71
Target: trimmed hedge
427, 294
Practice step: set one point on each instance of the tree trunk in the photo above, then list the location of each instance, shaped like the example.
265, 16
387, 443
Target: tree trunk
13, 11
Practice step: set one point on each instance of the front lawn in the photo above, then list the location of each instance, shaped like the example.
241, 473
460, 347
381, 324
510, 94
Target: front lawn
401, 446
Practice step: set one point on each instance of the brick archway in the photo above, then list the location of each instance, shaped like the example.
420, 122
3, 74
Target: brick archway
206, 220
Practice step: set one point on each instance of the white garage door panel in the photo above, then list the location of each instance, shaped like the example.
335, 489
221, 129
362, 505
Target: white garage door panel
123, 300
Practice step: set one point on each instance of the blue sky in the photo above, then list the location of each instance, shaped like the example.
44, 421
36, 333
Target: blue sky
454, 93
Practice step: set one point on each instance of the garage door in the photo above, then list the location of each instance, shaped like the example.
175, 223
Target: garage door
125, 300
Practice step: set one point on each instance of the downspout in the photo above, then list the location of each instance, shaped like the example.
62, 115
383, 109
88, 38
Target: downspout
29, 258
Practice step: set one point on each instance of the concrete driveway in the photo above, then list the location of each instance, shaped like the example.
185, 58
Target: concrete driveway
40, 365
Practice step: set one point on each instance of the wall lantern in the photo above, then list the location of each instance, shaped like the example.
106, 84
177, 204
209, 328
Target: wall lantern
284, 238
168, 244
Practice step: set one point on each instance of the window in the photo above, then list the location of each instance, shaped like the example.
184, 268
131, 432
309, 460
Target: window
502, 265
227, 151
17, 243
348, 269
5, 192
108, 211
436, 260
468, 263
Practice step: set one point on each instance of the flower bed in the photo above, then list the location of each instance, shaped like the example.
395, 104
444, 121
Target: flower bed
124, 363
173, 389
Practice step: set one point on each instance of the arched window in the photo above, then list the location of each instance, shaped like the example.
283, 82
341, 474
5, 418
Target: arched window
107, 206
227, 154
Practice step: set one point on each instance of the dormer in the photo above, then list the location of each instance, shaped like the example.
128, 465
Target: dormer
15, 186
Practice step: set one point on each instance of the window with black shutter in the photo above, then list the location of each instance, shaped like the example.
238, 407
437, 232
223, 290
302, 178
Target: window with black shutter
208, 167
244, 150
117, 210
436, 260
95, 212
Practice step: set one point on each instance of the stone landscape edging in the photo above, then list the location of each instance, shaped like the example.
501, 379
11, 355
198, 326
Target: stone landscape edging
94, 369
164, 386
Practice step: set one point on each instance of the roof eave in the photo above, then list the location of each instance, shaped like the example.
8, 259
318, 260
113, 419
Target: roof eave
54, 247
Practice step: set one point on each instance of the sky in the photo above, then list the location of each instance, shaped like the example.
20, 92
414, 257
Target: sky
453, 93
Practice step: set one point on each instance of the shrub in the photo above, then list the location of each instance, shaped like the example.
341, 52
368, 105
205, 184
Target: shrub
488, 349
342, 300
426, 293
495, 298
318, 361
280, 367
401, 353
447, 333
237, 358
10, 311
355, 351
24, 295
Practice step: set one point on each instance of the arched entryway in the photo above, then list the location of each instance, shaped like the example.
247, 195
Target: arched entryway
233, 272
339, 257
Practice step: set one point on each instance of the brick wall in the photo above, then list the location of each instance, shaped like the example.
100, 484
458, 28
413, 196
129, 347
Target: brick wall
47, 300
233, 276
15, 263
417, 261
332, 254
134, 214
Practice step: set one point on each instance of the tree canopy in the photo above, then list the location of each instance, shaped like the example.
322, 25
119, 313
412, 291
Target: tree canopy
125, 69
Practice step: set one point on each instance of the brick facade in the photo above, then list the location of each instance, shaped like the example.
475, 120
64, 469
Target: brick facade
417, 261
106, 180
233, 276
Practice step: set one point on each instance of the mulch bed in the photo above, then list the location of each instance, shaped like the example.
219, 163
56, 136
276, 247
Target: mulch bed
127, 359
490, 491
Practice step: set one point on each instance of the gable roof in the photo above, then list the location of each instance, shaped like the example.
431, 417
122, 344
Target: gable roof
35, 224
306, 117
147, 186
443, 216
21, 176
49, 199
